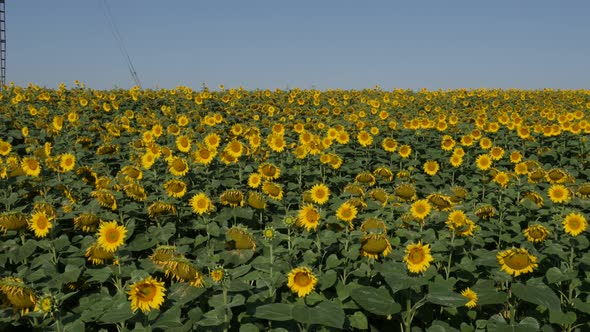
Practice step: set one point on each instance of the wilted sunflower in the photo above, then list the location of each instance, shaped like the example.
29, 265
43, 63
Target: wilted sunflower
96, 254
533, 197
67, 162
418, 257
320, 193
240, 238
111, 235
556, 175
87, 222
365, 178
440, 202
373, 226
301, 281
485, 211
105, 198
517, 261
584, 190
355, 190
379, 195
16, 294
308, 217
536, 233
431, 167
269, 171
201, 204
420, 209
146, 295
175, 188
178, 166
256, 200
232, 197
273, 190
13, 221
559, 193
180, 269
135, 191
405, 192
575, 223
158, 208
31, 166
471, 296
40, 223
373, 245
536, 176
384, 172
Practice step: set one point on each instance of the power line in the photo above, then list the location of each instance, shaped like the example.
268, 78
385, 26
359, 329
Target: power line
117, 35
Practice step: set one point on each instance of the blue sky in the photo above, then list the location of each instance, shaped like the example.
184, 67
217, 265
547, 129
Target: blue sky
322, 44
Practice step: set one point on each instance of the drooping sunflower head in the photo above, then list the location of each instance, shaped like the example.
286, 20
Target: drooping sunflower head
485, 211
180, 269
373, 226
418, 257
533, 197
575, 223
459, 194
162, 254
302, 281
96, 254
584, 190
256, 200
365, 178
536, 233
16, 294
384, 173
175, 188
146, 295
354, 190
556, 175
440, 202
269, 171
13, 221
380, 195
87, 222
105, 198
273, 190
517, 261
471, 298
240, 238
135, 191
232, 197
159, 208
405, 192
111, 235
373, 245
536, 176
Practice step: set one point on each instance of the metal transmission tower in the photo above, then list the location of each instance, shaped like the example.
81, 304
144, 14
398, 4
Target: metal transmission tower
2, 46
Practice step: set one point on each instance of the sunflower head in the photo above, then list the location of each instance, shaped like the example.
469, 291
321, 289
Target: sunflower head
420, 209
373, 245
308, 217
365, 178
575, 223
160, 208
536, 233
13, 221
273, 190
320, 193
269, 171
240, 238
256, 200
232, 197
302, 281
40, 223
471, 297
373, 226
384, 172
201, 204
517, 261
440, 202
146, 295
559, 194
418, 257
111, 235
405, 192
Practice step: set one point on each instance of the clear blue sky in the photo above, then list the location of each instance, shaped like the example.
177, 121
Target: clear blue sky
323, 44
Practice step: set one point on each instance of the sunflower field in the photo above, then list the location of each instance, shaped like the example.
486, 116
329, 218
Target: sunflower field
294, 210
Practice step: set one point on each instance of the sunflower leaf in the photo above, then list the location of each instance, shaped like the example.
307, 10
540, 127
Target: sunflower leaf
377, 301
537, 293
274, 311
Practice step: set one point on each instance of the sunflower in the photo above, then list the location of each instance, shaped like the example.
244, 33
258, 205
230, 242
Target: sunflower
447, 143
217, 274
135, 191
365, 178
240, 238
557, 175
418, 257
373, 245
380, 195
67, 162
575, 223
183, 143
584, 190
420, 209
517, 261
96, 254
15, 293
502, 179
175, 188
485, 143
31, 166
40, 223
13, 221
276, 142
146, 295
87, 222
201, 204
158, 208
485, 211
515, 157
269, 171
132, 173
254, 180
273, 190
384, 172
346, 212
456, 160
354, 190
256, 200
404, 151
364, 138
471, 297
308, 217
536, 176
440, 202
301, 281
180, 269
147, 160
536, 233
204, 155
496, 153
320, 193
405, 192
483, 162
533, 197
521, 168
178, 166
431, 167
232, 197
559, 194
105, 198
111, 236
389, 144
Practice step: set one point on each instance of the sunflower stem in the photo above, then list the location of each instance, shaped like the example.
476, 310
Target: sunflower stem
225, 303
448, 272
319, 246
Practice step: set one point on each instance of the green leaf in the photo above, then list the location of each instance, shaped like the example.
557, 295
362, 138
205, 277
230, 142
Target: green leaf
554, 275
328, 279
582, 306
562, 318
332, 261
440, 326
377, 301
329, 314
99, 275
249, 328
71, 273
358, 320
488, 294
169, 319
275, 311
396, 276
537, 293
117, 313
